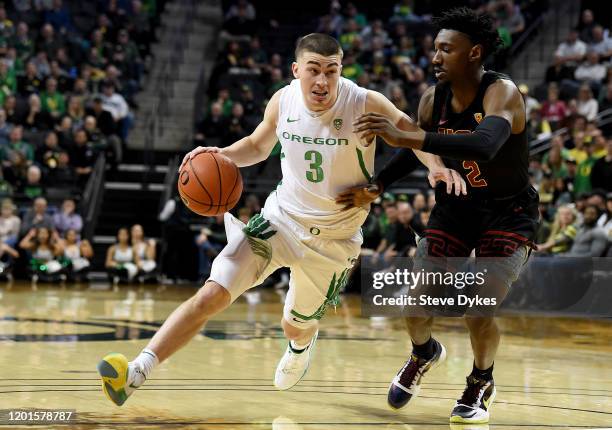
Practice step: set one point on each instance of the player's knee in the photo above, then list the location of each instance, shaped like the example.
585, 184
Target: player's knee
211, 299
480, 324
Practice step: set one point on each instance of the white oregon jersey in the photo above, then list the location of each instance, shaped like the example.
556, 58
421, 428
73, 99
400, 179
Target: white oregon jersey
322, 157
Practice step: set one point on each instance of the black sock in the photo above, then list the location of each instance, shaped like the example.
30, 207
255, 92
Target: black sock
297, 351
425, 350
485, 375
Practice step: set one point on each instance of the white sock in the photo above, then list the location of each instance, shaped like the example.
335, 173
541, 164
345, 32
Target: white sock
141, 367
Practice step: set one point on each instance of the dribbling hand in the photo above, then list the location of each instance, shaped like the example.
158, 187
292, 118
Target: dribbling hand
197, 151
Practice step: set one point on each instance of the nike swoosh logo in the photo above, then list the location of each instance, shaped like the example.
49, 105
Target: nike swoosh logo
442, 122
292, 120
297, 320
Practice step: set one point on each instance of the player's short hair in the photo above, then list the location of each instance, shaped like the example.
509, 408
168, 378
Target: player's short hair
319, 44
480, 28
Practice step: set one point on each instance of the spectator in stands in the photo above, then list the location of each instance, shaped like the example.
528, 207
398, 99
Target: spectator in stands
146, 249
29, 82
9, 223
64, 132
562, 234
5, 128
121, 260
44, 249
591, 70
605, 221
605, 99
23, 42
110, 145
140, 24
237, 125
400, 236
76, 111
8, 82
114, 103
398, 98
601, 175
42, 63
10, 108
6, 25
7, 254
59, 17
511, 18
586, 25
104, 119
16, 156
48, 41
553, 109
207, 251
33, 186
48, 153
601, 44
6, 188
530, 102
64, 82
53, 101
67, 218
591, 240
35, 118
582, 181
240, 23
82, 156
586, 103
213, 127
567, 57
331, 23
77, 254
248, 10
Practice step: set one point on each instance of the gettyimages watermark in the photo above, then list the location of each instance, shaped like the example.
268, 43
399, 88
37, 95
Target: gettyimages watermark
484, 286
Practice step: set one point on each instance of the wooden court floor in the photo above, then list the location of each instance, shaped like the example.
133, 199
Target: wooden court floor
551, 373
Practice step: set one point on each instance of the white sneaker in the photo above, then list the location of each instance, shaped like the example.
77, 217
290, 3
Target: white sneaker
292, 367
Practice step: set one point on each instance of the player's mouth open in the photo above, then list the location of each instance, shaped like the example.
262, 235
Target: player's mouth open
320, 94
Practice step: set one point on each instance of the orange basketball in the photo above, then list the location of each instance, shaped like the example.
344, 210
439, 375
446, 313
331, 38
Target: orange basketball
210, 184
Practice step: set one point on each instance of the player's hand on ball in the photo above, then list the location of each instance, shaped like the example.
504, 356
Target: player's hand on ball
361, 195
370, 125
197, 151
452, 179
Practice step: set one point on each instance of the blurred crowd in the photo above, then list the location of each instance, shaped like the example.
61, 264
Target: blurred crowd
393, 55
574, 174
69, 71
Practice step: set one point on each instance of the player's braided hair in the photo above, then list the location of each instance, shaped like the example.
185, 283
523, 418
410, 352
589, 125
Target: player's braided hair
479, 28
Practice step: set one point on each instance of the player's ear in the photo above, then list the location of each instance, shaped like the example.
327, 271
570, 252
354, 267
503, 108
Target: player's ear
475, 53
295, 70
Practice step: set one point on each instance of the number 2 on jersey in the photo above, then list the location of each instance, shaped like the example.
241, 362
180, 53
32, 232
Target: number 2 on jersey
315, 174
473, 174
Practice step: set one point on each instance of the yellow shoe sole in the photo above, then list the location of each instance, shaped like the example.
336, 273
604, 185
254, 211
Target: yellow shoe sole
113, 370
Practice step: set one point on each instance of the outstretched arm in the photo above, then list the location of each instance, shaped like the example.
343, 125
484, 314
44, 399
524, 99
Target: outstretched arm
504, 109
405, 160
250, 149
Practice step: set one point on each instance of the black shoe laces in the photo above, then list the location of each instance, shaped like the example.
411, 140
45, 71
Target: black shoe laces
471, 394
409, 372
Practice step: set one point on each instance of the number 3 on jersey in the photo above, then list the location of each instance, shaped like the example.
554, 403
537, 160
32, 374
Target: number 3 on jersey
315, 174
473, 175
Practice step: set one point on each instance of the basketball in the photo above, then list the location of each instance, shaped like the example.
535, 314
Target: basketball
210, 184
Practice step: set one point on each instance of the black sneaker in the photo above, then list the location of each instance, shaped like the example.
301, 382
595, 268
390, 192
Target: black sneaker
474, 405
407, 382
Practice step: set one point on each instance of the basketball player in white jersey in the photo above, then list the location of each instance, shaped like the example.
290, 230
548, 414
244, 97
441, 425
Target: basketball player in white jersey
301, 225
